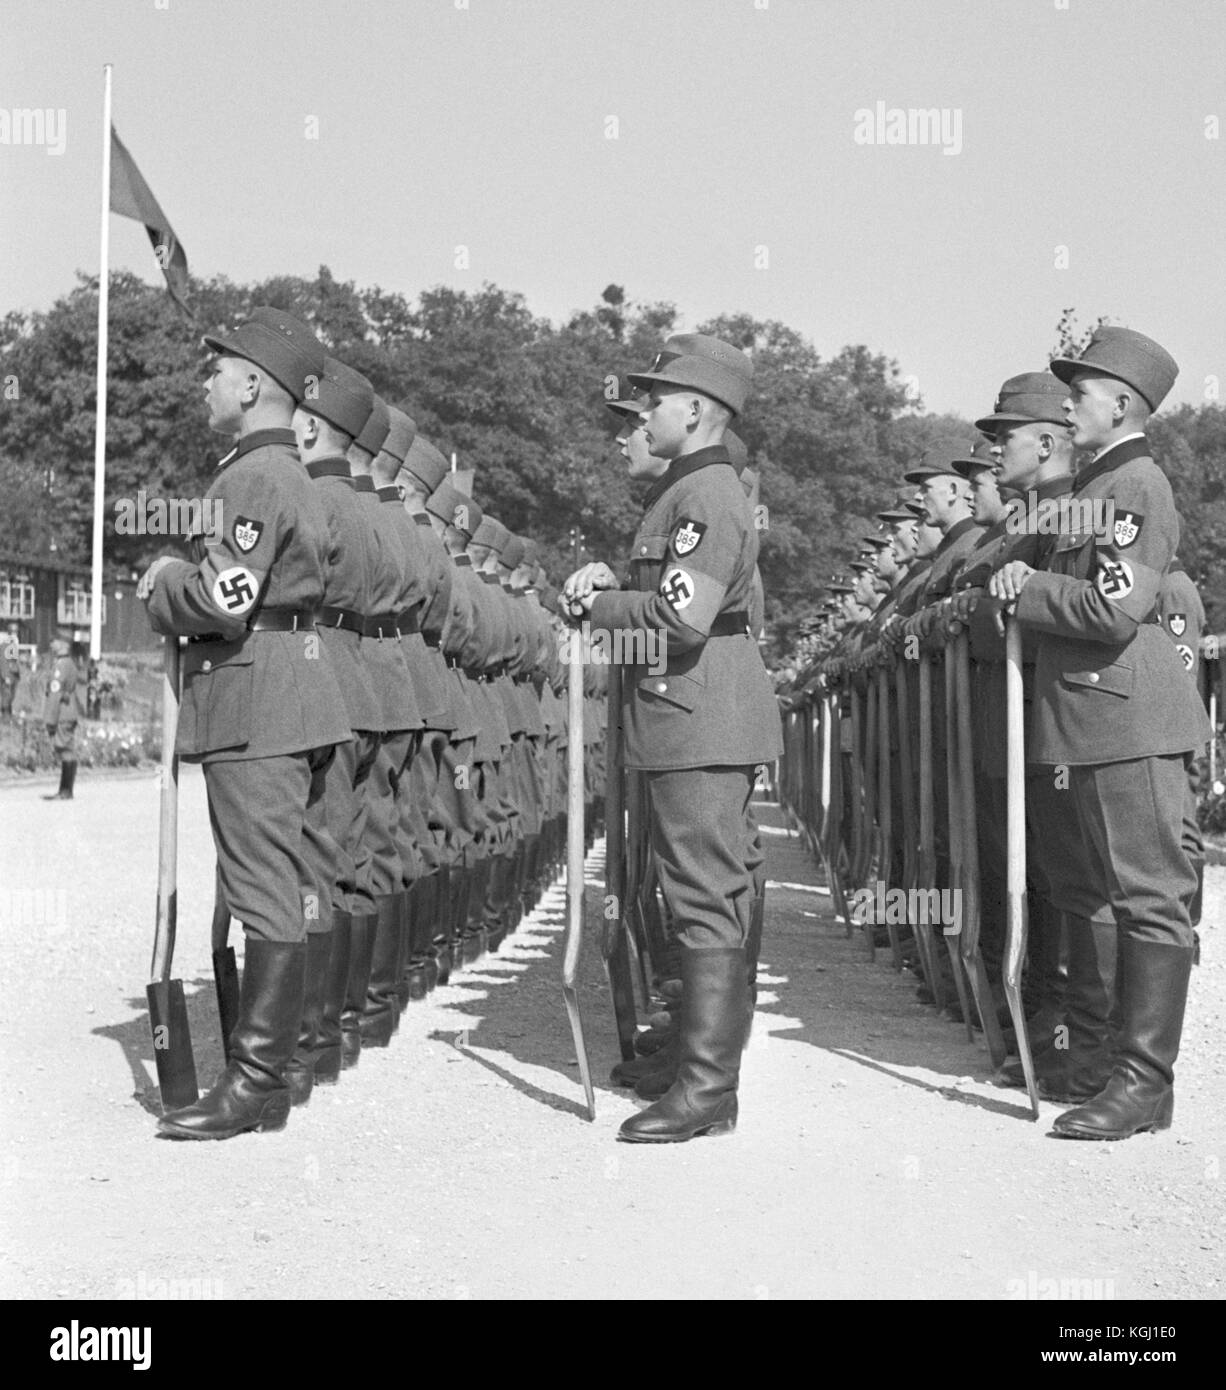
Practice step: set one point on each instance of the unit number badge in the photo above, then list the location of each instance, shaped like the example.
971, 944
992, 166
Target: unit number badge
1127, 529
247, 534
689, 533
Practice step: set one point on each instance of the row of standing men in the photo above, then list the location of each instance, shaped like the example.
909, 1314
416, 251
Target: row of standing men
373, 681
1082, 556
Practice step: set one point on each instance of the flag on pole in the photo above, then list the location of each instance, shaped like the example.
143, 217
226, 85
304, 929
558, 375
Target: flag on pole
130, 197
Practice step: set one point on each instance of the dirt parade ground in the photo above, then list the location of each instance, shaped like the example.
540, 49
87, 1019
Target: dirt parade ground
874, 1159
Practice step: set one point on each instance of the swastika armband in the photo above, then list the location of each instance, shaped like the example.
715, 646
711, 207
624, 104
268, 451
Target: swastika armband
1114, 579
235, 591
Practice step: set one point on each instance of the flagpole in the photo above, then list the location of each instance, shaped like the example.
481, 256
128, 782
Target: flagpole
104, 287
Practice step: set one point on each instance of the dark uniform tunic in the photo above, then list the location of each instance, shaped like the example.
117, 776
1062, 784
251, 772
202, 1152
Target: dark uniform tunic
260, 709
700, 725
1112, 698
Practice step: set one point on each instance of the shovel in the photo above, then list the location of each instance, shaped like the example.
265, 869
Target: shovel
574, 863
225, 967
172, 1042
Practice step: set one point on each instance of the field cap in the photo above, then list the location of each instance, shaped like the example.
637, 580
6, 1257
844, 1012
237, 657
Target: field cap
1024, 399
280, 344
342, 396
705, 364
426, 463
1127, 356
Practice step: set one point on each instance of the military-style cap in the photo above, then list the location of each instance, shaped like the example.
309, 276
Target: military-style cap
839, 585
513, 553
703, 364
938, 461
492, 534
454, 508
916, 510
280, 344
426, 463
343, 397
632, 406
980, 456
376, 428
402, 430
737, 452
893, 515
860, 567
1024, 399
1127, 356
878, 542
532, 551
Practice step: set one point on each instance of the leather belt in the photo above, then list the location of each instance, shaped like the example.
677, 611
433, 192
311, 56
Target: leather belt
733, 624
381, 625
339, 617
269, 620
433, 640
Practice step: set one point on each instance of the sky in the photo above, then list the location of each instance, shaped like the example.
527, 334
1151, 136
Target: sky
699, 151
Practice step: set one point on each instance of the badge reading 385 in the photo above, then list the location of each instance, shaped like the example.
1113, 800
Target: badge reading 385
1127, 529
247, 533
677, 588
235, 590
688, 535
1114, 579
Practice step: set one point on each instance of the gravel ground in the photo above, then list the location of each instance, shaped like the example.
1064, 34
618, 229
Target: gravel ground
873, 1158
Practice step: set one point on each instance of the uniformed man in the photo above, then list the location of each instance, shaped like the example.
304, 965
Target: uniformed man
1113, 703
1071, 966
325, 426
261, 708
61, 711
372, 1011
699, 728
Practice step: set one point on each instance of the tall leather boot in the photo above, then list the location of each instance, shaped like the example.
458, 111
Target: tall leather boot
498, 900
1079, 1071
361, 945
474, 929
68, 777
714, 1019
753, 946
461, 878
379, 1012
421, 935
530, 889
1141, 1093
327, 1068
442, 917
300, 1073
430, 909
252, 1092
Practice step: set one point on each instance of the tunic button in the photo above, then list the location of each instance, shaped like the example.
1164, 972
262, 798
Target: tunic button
661, 687
206, 665
1094, 677
642, 550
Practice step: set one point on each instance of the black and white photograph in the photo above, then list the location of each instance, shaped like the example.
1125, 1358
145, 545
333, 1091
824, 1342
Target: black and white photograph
611, 676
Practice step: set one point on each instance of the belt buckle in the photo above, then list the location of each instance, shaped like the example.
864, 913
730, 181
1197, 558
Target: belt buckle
294, 625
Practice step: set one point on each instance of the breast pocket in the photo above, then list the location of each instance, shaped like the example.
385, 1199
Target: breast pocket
1073, 553
217, 692
647, 562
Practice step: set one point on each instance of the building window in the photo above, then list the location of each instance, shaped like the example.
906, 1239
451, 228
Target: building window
74, 605
16, 595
